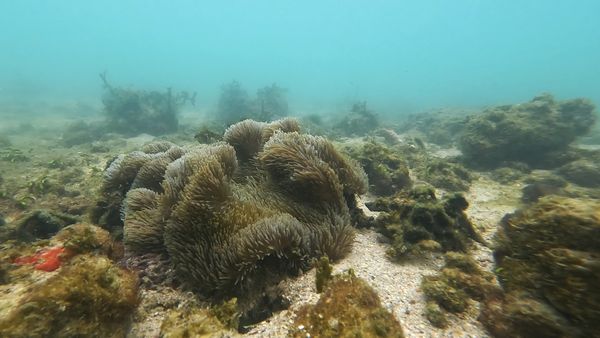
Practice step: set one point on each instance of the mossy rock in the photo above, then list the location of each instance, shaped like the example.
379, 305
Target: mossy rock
89, 297
550, 251
194, 322
42, 224
460, 281
385, 167
86, 238
537, 132
540, 184
585, 173
414, 219
348, 307
445, 174
436, 315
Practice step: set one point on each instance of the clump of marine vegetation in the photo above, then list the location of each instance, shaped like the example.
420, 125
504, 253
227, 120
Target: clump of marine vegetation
416, 222
234, 216
86, 294
537, 133
439, 127
358, 122
548, 263
388, 164
460, 282
235, 105
386, 169
194, 322
348, 307
131, 112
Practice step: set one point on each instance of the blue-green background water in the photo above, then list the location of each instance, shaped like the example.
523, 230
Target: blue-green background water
400, 56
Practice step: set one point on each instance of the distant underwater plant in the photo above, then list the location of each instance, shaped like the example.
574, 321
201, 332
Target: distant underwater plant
132, 112
235, 105
359, 121
234, 215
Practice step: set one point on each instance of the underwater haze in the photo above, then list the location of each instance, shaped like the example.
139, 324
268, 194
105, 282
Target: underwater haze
400, 56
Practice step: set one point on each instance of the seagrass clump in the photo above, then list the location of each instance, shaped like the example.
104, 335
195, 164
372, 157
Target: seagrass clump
226, 228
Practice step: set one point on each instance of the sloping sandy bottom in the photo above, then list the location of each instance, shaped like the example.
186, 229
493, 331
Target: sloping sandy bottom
398, 284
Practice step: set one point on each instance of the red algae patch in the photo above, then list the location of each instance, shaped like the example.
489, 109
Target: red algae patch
47, 259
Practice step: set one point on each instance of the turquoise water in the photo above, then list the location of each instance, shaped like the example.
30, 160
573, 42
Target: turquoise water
400, 56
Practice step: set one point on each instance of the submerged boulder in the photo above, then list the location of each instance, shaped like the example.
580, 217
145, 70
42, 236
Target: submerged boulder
548, 263
386, 168
348, 307
537, 132
416, 221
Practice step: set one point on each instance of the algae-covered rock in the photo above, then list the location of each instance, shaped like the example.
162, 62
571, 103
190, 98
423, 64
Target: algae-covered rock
435, 315
540, 184
86, 238
348, 307
585, 173
194, 322
452, 289
549, 251
89, 297
537, 132
445, 174
40, 224
386, 169
415, 220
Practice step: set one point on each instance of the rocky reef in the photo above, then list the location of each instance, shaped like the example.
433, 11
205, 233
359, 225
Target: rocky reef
537, 132
417, 221
547, 260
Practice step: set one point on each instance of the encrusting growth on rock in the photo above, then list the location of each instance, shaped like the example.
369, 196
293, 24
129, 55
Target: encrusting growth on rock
548, 264
416, 221
348, 307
